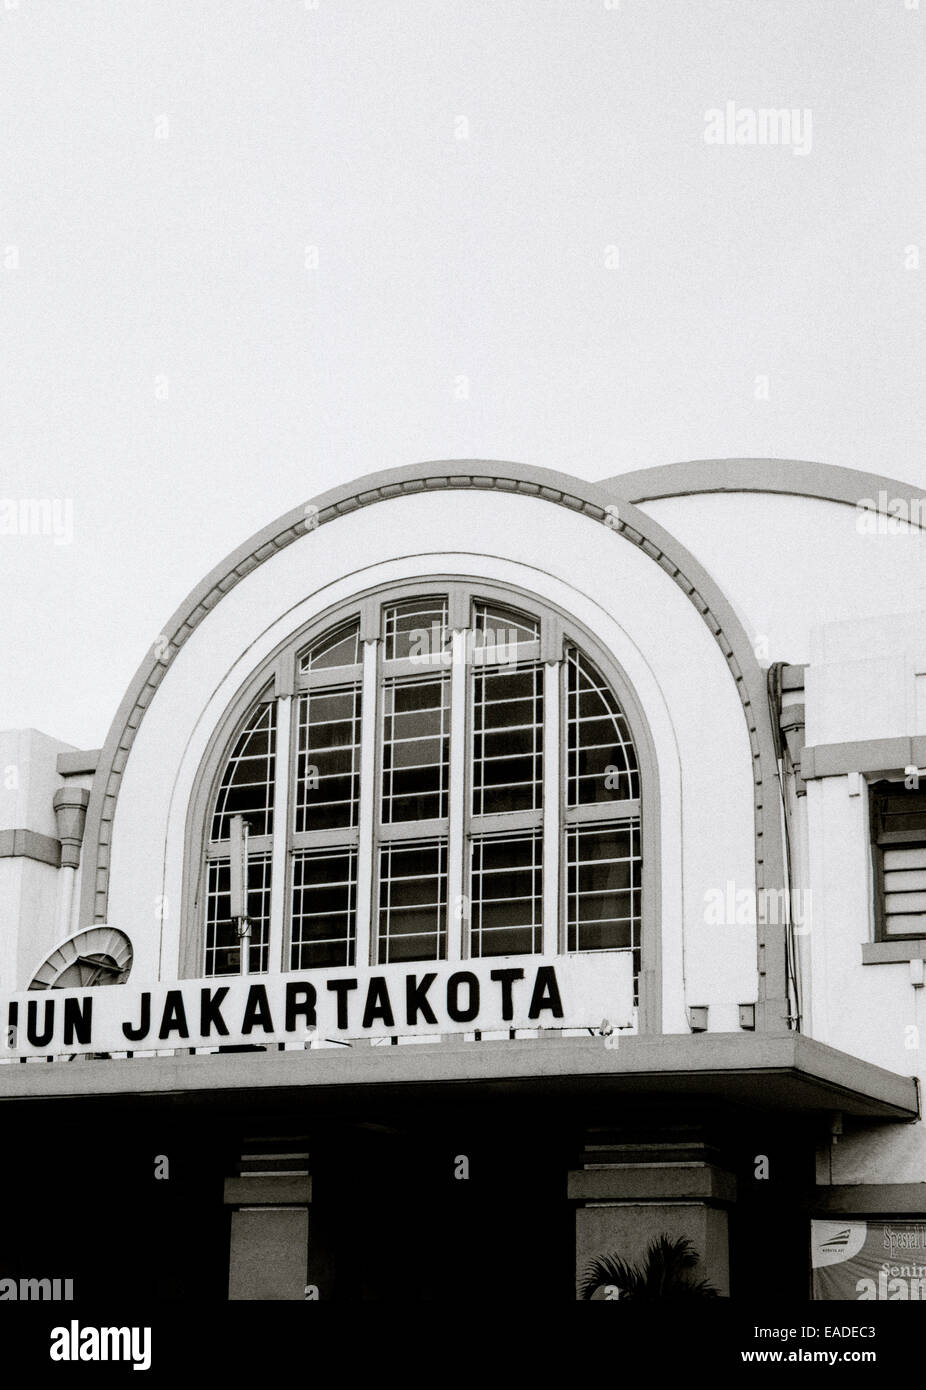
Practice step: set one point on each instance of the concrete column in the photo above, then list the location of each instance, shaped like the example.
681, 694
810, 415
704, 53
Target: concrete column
269, 1249
623, 1207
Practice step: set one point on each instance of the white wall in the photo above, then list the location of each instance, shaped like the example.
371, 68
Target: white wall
862, 684
28, 888
791, 564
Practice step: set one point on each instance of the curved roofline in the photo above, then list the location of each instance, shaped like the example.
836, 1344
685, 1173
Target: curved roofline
794, 477
594, 500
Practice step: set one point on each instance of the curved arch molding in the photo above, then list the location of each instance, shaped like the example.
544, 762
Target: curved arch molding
787, 477
594, 500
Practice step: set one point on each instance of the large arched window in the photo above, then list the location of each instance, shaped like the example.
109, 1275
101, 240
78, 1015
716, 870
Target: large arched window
449, 776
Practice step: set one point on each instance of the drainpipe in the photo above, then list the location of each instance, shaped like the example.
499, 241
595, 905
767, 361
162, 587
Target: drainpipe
787, 710
70, 805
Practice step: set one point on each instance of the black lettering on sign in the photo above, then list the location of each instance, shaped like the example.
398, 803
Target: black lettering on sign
454, 1008
257, 1011
506, 978
546, 993
378, 1005
143, 1027
32, 1022
210, 1012
300, 1003
173, 1017
416, 999
78, 1014
341, 988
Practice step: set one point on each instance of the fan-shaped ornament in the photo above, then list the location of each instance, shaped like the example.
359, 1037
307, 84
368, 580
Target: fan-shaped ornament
98, 955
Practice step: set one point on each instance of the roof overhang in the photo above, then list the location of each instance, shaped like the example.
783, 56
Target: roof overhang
771, 1072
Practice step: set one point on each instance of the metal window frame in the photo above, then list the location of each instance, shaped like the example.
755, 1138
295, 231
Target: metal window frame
303, 698
559, 631
264, 859
297, 856
534, 834
879, 841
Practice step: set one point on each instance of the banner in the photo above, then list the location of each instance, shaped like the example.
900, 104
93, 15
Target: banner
864, 1260
579, 991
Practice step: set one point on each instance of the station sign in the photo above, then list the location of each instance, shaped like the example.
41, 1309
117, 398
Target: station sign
417, 999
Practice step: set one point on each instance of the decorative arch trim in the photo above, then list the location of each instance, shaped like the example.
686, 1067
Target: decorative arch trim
594, 500
788, 477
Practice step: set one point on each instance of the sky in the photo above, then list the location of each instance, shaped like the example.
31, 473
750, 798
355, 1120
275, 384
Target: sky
252, 249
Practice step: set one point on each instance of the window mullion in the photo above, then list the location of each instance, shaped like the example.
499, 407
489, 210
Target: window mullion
456, 836
278, 884
368, 801
552, 723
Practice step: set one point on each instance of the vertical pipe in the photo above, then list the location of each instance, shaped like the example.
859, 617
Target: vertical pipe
64, 903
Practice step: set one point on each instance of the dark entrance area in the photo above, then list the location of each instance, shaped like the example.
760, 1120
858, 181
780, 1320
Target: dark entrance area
410, 1196
442, 1210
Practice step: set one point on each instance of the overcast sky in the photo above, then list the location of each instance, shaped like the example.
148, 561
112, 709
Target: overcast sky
249, 248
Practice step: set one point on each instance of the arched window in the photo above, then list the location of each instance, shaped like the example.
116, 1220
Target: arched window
451, 776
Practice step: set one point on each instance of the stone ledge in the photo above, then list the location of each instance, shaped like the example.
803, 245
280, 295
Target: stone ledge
268, 1191
29, 844
893, 952
653, 1182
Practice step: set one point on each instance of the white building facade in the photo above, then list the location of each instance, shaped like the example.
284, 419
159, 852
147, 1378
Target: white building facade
479, 851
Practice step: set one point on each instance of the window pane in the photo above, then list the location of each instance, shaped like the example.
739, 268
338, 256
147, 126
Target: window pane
603, 888
247, 783
223, 945
503, 629
507, 895
323, 906
413, 901
896, 807
507, 740
417, 627
905, 890
339, 647
601, 759
328, 759
416, 749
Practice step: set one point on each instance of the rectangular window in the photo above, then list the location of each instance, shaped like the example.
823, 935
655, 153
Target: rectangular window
324, 904
328, 759
603, 888
507, 895
413, 901
898, 832
416, 628
507, 740
416, 749
223, 945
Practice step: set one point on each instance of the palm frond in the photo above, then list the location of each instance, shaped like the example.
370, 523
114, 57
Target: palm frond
664, 1273
605, 1270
